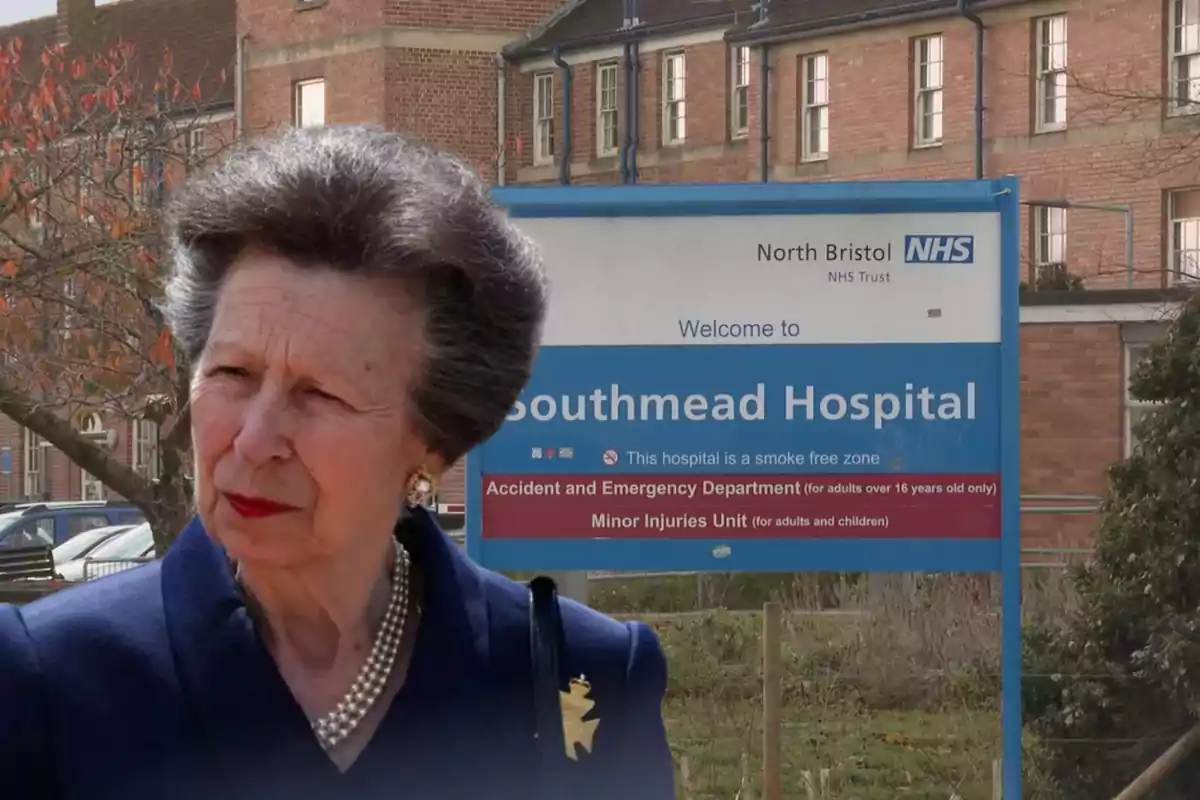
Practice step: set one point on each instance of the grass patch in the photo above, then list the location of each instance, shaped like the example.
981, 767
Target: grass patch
894, 691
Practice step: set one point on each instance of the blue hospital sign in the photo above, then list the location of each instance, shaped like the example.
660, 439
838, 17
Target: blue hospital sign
756, 377
780, 388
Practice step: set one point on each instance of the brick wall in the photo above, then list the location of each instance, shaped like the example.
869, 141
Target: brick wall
431, 108
271, 23
483, 15
428, 69
1072, 422
438, 83
62, 480
1114, 150
354, 90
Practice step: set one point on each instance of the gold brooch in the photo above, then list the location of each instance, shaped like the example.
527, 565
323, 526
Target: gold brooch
576, 704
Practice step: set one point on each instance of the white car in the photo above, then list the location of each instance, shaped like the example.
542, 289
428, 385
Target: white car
121, 552
83, 543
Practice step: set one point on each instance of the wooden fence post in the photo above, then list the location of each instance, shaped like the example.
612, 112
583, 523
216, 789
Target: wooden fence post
772, 654
1162, 767
685, 778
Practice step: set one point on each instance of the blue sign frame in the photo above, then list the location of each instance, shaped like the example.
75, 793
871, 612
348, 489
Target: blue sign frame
1002, 555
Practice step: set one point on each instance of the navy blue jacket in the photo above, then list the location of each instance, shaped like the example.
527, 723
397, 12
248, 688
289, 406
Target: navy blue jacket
152, 684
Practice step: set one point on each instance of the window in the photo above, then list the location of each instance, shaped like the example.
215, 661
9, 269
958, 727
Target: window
143, 178
35, 450
674, 99
310, 103
85, 198
739, 100
78, 523
144, 456
39, 180
1050, 239
92, 426
90, 488
1185, 55
815, 107
543, 119
195, 144
1135, 410
927, 81
70, 296
607, 137
1184, 209
33, 533
1051, 73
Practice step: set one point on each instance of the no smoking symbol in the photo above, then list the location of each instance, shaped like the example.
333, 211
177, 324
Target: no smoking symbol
610, 458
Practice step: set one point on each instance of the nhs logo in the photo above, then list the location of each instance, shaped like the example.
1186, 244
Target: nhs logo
939, 249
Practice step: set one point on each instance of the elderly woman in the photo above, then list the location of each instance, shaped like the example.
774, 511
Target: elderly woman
358, 316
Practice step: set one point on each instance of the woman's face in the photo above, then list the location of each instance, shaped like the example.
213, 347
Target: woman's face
302, 441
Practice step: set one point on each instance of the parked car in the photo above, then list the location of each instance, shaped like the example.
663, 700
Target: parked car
81, 544
51, 524
125, 550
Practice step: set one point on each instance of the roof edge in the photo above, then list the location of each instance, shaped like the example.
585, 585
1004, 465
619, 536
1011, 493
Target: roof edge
723, 20
918, 10
1086, 297
540, 29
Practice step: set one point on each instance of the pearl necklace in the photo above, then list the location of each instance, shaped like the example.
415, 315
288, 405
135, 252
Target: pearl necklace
332, 728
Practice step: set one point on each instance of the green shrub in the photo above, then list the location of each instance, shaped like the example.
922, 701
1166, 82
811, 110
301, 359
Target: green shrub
1123, 671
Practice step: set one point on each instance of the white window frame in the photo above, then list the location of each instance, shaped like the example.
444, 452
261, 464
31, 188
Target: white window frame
1049, 237
674, 98
85, 196
70, 294
90, 487
1183, 235
1134, 352
608, 114
543, 119
814, 107
141, 167
39, 180
1050, 73
1183, 47
195, 144
144, 456
305, 115
739, 92
929, 72
33, 465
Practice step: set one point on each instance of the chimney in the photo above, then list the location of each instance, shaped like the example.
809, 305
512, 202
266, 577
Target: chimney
72, 18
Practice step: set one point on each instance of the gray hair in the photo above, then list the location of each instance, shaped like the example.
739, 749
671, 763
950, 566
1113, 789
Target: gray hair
369, 202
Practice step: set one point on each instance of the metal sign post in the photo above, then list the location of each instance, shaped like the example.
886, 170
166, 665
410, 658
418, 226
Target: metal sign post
779, 377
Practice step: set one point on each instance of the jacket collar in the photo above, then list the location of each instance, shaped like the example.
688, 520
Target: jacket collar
230, 679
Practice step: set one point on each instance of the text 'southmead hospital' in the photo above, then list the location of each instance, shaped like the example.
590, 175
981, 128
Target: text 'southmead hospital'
912, 402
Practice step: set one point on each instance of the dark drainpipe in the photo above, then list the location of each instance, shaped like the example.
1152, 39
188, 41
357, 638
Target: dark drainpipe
635, 84
764, 101
971, 16
764, 115
564, 162
623, 151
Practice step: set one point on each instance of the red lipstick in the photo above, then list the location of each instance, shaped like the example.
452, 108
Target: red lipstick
256, 507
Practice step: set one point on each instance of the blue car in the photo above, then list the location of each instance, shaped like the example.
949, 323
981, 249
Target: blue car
51, 524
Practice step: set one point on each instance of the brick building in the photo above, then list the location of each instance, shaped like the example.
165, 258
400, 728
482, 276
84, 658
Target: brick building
200, 36
1091, 102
